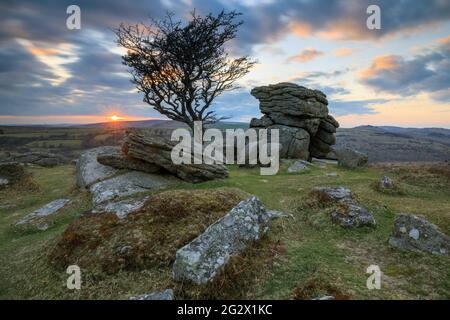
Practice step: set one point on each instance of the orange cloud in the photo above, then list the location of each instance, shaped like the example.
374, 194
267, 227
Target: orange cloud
300, 29
306, 55
444, 40
343, 52
346, 29
381, 63
43, 52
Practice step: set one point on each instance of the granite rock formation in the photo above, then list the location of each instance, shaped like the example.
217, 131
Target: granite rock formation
301, 114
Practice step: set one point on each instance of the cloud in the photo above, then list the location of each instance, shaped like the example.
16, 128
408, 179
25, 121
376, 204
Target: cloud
45, 77
315, 80
343, 52
424, 73
360, 107
306, 55
444, 40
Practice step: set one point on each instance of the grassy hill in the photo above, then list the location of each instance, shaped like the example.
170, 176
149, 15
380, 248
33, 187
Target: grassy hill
300, 258
387, 144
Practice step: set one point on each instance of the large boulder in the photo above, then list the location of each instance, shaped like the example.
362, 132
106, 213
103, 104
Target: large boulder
118, 160
415, 233
90, 171
294, 142
291, 99
144, 145
349, 158
203, 258
289, 105
309, 124
265, 121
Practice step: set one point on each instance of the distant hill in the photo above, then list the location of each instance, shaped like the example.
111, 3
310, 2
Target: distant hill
166, 124
382, 144
387, 143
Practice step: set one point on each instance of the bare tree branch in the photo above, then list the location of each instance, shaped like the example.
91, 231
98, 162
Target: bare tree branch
181, 68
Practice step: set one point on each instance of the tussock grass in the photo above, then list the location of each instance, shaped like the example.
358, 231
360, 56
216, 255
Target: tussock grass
145, 239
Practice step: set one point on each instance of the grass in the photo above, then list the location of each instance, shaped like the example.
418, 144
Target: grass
301, 258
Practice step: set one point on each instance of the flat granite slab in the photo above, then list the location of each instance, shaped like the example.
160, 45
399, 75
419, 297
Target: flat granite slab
127, 184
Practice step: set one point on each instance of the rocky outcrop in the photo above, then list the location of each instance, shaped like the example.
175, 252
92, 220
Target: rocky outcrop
415, 233
90, 171
348, 213
160, 295
349, 158
203, 258
301, 114
116, 159
35, 217
42, 159
144, 145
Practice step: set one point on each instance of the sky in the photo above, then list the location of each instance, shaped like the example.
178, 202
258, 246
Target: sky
398, 75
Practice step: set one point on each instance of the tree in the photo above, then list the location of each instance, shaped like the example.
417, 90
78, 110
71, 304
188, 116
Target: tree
182, 68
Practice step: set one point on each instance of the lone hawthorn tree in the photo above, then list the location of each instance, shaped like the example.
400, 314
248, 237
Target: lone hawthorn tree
182, 68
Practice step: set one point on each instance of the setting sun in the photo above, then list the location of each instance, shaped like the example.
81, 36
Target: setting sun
114, 118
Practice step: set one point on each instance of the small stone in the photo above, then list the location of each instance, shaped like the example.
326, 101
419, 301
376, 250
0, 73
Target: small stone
332, 174
298, 166
3, 182
414, 233
386, 183
161, 295
49, 209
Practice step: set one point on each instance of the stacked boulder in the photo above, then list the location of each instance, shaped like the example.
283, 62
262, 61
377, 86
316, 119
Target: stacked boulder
301, 115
